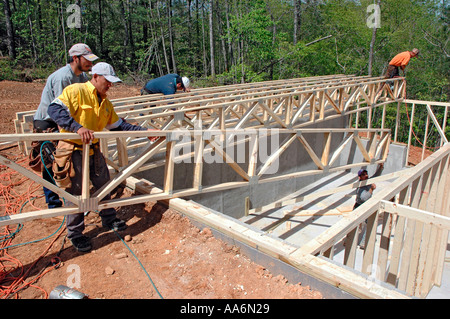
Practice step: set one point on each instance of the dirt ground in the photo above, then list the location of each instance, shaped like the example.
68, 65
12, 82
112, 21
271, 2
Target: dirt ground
160, 255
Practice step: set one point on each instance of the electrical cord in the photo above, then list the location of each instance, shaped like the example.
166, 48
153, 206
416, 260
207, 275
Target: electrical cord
140, 263
11, 285
134, 255
14, 288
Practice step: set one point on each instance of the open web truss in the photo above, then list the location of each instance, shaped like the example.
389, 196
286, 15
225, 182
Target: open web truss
213, 124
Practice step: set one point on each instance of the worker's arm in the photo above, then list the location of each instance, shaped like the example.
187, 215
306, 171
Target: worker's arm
62, 117
122, 125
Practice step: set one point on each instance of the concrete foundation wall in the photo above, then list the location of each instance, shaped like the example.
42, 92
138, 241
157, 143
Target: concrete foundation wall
232, 202
294, 159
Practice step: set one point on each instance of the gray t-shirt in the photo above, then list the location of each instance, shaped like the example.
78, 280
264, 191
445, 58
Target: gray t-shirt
56, 83
363, 194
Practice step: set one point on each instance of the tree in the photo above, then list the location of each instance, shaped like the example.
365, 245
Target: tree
211, 38
9, 30
297, 19
372, 42
232, 41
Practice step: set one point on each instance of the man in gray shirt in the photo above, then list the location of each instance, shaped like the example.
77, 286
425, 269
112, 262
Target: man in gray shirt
81, 58
363, 194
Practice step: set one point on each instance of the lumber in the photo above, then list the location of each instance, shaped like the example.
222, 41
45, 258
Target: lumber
251, 112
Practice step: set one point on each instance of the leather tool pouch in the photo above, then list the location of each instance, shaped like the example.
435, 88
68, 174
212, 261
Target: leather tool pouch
62, 165
41, 150
34, 157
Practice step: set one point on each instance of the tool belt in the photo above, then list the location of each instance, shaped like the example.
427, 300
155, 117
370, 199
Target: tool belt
62, 165
41, 153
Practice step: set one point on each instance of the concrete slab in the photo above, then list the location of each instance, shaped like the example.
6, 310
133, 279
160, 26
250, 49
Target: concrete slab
297, 224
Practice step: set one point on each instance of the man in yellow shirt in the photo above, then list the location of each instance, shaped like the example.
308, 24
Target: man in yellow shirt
401, 60
83, 108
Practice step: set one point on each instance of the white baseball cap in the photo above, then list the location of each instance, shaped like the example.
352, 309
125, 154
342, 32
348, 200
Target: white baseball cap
105, 69
84, 50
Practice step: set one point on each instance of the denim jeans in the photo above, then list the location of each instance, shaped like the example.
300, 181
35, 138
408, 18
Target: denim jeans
52, 199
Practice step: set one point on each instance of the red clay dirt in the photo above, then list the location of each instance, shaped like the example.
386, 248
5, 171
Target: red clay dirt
182, 261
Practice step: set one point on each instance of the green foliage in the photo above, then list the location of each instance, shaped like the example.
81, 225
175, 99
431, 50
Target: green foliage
253, 39
7, 70
22, 70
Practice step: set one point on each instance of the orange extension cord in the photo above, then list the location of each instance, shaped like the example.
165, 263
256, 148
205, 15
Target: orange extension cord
12, 273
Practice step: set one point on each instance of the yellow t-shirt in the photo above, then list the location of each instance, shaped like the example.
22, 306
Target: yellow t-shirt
82, 102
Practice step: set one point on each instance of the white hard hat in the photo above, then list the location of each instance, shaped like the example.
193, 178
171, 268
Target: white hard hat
186, 82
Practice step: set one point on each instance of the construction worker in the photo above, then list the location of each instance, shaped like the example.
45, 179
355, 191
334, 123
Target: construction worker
167, 85
81, 58
401, 60
84, 109
364, 193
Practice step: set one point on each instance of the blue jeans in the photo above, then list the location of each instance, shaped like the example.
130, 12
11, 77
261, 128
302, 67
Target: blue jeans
51, 198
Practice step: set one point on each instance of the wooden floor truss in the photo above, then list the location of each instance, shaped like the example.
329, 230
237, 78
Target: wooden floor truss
206, 122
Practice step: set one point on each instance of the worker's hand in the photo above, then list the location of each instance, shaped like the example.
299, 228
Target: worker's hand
373, 187
86, 135
187, 90
153, 138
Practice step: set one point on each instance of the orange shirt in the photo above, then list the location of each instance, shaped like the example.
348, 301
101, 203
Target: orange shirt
401, 59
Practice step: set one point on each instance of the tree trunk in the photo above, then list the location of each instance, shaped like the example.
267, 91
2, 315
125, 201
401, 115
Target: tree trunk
10, 40
125, 26
172, 54
205, 67
230, 47
197, 30
211, 39
189, 23
297, 20
100, 26
372, 45
33, 42
154, 37
130, 35
166, 59
64, 32
224, 47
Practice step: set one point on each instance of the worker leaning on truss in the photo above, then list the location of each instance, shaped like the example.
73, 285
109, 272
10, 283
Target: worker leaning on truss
400, 61
84, 109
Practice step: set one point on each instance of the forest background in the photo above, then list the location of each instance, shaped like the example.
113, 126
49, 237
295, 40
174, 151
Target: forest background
218, 42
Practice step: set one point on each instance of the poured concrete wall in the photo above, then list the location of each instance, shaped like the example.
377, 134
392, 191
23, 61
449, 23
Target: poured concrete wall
294, 159
232, 202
